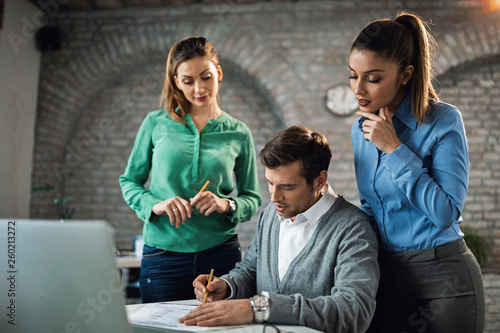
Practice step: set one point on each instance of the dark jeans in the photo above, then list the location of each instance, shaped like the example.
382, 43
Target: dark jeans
169, 276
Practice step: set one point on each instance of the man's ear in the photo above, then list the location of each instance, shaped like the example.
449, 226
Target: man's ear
320, 181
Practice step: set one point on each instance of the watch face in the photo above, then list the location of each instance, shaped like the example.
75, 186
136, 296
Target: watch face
260, 301
340, 100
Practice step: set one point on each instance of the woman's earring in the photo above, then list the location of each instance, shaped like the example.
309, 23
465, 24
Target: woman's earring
404, 83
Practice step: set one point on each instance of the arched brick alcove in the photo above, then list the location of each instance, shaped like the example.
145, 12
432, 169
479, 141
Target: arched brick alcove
474, 41
72, 85
72, 81
72, 131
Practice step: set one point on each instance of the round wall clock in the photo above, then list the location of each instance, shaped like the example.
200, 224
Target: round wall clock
340, 100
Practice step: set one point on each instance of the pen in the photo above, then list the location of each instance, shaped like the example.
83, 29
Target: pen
209, 279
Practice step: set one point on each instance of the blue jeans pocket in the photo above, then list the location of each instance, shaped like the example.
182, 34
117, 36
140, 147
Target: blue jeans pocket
151, 252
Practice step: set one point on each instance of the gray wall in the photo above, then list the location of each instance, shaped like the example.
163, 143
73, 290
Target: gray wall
19, 68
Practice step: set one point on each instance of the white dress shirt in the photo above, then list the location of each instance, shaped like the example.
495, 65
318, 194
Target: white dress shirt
294, 235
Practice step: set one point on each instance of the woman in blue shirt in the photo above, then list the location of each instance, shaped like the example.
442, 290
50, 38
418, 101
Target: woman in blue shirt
412, 170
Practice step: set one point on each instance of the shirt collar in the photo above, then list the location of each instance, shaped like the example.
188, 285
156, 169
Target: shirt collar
316, 211
213, 125
405, 115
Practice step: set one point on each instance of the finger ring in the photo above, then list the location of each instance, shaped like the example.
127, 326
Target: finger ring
175, 209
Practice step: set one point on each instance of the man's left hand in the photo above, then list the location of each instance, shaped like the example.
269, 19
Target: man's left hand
228, 312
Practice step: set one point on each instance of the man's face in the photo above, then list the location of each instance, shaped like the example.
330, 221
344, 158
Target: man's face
289, 190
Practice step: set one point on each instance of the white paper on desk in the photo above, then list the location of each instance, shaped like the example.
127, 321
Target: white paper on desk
164, 315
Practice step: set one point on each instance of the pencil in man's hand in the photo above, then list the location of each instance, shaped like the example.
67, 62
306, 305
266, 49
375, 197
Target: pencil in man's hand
209, 279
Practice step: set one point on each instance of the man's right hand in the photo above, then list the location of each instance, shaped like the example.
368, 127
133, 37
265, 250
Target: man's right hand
217, 289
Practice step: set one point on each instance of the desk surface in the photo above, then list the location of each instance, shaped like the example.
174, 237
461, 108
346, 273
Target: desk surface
251, 328
128, 261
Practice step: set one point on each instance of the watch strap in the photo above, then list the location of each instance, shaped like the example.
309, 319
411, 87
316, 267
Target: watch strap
260, 315
232, 207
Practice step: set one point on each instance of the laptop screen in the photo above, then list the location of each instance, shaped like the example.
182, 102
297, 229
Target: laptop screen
59, 277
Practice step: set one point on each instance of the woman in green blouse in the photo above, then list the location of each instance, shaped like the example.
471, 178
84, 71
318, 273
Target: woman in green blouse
190, 141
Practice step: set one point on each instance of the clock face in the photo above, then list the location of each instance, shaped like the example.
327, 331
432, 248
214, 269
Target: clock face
340, 100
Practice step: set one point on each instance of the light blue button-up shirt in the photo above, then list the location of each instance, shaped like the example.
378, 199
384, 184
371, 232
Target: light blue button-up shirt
417, 193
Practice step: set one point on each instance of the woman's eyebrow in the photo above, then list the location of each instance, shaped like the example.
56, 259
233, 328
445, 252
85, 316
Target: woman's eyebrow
204, 71
189, 76
367, 72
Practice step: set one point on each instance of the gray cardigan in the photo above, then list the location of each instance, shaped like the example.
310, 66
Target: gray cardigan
330, 286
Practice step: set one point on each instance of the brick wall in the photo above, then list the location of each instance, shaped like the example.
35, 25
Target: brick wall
278, 60
475, 89
96, 90
492, 288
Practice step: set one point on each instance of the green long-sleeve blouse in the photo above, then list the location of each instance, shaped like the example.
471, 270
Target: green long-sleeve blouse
179, 160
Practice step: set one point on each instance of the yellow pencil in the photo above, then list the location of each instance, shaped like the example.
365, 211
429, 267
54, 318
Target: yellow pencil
204, 186
209, 280
202, 189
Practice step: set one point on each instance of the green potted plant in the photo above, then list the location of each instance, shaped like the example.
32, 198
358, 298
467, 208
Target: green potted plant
478, 245
65, 211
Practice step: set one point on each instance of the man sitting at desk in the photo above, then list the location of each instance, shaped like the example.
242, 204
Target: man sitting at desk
313, 257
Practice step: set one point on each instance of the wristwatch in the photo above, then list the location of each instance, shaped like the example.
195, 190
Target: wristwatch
259, 304
232, 206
